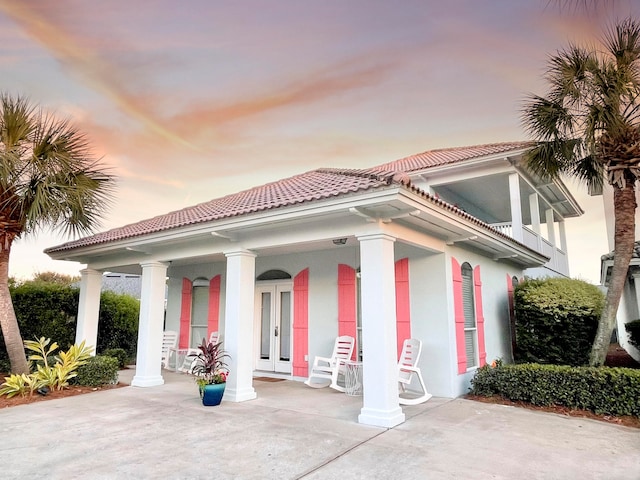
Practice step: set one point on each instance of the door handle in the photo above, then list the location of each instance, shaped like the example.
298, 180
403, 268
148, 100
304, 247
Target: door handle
276, 332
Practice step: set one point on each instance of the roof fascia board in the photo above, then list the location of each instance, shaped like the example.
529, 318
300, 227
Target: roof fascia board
264, 217
471, 163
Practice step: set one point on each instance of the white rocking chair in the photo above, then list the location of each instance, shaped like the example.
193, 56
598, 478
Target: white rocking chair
407, 367
328, 369
169, 342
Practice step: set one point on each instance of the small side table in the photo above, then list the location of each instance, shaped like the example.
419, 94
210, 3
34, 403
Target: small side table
353, 378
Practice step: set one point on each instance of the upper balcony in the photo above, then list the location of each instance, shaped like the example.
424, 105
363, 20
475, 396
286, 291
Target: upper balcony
503, 194
558, 263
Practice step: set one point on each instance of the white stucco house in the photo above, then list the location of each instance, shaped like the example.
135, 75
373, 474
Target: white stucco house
428, 247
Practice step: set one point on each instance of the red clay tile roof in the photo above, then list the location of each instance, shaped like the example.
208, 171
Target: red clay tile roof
306, 187
446, 156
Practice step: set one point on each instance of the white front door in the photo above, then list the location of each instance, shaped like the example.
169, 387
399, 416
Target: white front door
274, 321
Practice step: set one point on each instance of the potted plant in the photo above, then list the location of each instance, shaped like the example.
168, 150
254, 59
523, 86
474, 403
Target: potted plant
211, 372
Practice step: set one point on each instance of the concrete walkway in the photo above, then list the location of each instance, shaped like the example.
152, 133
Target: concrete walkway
292, 431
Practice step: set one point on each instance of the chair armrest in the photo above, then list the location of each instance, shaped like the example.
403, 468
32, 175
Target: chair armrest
317, 360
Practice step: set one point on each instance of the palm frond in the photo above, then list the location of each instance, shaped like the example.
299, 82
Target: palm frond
48, 174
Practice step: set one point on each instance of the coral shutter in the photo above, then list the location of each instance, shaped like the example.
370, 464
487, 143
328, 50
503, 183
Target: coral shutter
512, 317
458, 308
301, 323
185, 314
403, 310
347, 301
213, 315
477, 294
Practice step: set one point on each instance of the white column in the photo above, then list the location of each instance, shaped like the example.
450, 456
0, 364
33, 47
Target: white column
151, 325
563, 236
516, 208
534, 209
238, 324
380, 357
89, 307
551, 227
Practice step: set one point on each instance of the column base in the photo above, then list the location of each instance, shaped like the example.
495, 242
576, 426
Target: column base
381, 418
240, 395
148, 381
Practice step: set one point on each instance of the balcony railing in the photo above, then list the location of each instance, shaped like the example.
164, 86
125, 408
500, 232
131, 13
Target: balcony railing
558, 258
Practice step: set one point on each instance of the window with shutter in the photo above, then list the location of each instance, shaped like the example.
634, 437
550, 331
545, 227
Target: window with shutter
470, 327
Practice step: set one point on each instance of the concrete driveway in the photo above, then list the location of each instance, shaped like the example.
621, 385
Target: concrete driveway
292, 431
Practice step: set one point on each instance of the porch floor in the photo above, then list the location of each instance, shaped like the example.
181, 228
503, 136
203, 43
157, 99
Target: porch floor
292, 431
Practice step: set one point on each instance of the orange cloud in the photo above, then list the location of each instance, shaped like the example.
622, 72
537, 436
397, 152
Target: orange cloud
100, 75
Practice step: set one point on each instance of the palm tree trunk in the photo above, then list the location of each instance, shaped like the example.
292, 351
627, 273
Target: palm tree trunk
8, 321
624, 207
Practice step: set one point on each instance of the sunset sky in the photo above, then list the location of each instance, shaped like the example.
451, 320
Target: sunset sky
189, 101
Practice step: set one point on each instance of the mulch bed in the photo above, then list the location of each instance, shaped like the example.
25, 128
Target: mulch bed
616, 357
67, 392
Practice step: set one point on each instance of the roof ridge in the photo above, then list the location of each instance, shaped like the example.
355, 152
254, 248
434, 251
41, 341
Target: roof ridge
481, 145
374, 173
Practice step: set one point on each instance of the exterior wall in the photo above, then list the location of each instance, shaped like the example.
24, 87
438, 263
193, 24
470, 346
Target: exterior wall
174, 291
429, 314
495, 310
431, 301
323, 290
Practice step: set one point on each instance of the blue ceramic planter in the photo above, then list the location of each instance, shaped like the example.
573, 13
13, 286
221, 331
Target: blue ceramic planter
212, 394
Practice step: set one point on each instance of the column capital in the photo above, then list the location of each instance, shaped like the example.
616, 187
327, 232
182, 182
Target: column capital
376, 236
239, 252
153, 263
90, 271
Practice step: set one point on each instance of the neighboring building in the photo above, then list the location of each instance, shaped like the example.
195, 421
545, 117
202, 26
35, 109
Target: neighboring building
629, 308
428, 247
122, 284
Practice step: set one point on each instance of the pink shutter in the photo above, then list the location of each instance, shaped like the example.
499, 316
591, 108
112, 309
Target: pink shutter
477, 294
301, 323
185, 314
213, 316
403, 308
512, 316
347, 301
458, 307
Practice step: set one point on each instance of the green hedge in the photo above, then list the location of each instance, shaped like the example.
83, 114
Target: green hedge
118, 326
556, 320
119, 354
99, 370
603, 390
49, 310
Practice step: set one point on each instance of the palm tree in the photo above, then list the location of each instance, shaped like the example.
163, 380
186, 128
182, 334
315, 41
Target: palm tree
48, 178
588, 127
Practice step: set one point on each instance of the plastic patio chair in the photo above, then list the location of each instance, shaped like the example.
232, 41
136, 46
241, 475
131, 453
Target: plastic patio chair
328, 369
407, 368
169, 342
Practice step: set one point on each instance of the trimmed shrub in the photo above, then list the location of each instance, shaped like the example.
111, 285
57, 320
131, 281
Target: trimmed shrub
633, 329
603, 390
46, 310
99, 370
118, 326
49, 310
556, 320
119, 354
